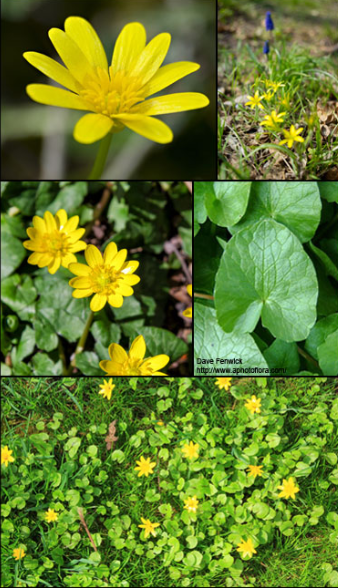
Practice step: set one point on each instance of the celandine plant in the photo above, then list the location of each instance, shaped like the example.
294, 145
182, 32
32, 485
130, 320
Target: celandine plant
116, 95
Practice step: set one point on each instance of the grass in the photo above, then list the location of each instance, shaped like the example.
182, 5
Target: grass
191, 408
248, 150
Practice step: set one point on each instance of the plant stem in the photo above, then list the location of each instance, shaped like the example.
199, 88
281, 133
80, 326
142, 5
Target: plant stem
307, 356
206, 296
82, 341
101, 157
99, 208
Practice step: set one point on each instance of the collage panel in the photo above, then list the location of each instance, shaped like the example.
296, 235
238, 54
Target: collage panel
96, 278
278, 90
265, 278
172, 482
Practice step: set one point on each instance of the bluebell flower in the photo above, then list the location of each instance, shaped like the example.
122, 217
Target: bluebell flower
269, 22
266, 47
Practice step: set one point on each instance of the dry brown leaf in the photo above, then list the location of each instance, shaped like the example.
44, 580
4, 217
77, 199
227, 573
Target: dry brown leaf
111, 438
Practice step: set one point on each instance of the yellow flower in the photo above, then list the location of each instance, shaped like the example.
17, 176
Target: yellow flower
51, 515
253, 404
116, 94
18, 553
160, 423
145, 466
6, 455
255, 470
188, 311
190, 450
107, 388
268, 96
255, 101
246, 548
133, 363
224, 383
289, 489
291, 136
273, 120
286, 100
274, 85
109, 277
54, 240
191, 504
148, 527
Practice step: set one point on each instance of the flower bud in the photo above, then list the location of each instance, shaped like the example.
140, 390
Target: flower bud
266, 47
269, 22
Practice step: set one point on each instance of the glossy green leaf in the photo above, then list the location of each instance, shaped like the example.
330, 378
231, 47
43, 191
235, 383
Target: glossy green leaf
45, 366
12, 250
69, 198
226, 203
211, 342
283, 355
200, 190
159, 341
208, 253
328, 356
329, 267
19, 293
88, 363
320, 332
329, 191
265, 273
296, 205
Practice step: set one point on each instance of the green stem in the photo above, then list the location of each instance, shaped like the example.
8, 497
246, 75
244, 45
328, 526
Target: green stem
307, 356
82, 342
101, 157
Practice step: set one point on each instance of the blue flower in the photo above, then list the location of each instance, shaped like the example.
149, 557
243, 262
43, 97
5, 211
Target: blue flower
266, 47
269, 22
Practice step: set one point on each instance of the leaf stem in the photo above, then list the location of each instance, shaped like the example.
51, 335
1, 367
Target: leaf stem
82, 341
307, 356
206, 296
101, 157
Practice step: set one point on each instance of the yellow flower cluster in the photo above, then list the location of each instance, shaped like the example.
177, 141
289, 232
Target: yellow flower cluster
108, 278
274, 120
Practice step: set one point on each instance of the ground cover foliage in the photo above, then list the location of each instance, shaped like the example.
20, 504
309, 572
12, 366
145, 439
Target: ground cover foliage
266, 275
278, 90
41, 322
60, 461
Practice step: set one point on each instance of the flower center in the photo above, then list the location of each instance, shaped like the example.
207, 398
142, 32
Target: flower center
133, 367
104, 280
56, 243
109, 93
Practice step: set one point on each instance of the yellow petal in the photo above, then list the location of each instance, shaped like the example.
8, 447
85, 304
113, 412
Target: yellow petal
39, 224
92, 127
131, 280
32, 233
71, 55
34, 258
71, 224
55, 97
112, 368
61, 217
98, 302
157, 362
76, 235
117, 353
119, 259
172, 103
110, 252
125, 290
93, 256
189, 289
79, 269
54, 265
138, 348
130, 267
148, 127
85, 36
67, 259
129, 44
168, 74
115, 300
82, 282
152, 57
50, 221
82, 293
79, 246
52, 69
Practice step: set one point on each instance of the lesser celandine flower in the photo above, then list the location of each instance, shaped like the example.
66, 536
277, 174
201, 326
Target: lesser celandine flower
255, 470
191, 504
51, 515
288, 488
253, 404
149, 528
291, 136
133, 363
188, 311
54, 240
107, 388
6, 455
116, 94
273, 120
223, 383
246, 548
18, 553
145, 466
109, 277
255, 101
190, 450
